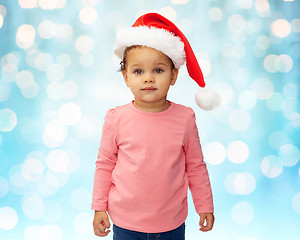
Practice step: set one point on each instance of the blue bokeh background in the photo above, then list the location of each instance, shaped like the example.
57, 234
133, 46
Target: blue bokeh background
59, 77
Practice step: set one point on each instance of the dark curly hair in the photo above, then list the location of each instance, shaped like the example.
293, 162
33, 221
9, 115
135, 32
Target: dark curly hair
123, 62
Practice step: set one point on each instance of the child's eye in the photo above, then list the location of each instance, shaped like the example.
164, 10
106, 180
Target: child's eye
138, 71
158, 70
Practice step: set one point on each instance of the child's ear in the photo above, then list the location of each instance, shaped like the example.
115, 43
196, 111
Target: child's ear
125, 77
174, 76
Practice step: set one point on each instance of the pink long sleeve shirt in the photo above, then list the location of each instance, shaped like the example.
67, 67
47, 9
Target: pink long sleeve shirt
145, 164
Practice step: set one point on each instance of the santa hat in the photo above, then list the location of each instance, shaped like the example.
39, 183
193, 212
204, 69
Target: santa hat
155, 31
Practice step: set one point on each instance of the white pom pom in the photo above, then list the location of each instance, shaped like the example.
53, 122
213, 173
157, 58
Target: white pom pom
207, 99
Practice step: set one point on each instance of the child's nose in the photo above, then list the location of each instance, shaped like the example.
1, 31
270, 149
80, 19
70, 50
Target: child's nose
149, 78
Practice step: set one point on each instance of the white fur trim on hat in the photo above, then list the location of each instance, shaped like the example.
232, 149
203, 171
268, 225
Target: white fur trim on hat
159, 39
207, 99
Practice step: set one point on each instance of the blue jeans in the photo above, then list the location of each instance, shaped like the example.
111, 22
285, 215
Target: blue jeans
124, 234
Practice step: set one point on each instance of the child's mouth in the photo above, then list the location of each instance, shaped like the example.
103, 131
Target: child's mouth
149, 89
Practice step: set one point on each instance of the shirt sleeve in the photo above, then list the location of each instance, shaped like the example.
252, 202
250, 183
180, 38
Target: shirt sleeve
196, 169
105, 163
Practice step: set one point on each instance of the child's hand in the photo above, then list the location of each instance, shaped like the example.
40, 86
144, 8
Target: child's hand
101, 223
210, 219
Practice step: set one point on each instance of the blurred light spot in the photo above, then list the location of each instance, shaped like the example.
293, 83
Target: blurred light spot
33, 206
32, 232
48, 4
82, 223
88, 127
281, 28
271, 166
5, 91
44, 187
55, 72
239, 120
24, 79
263, 88
9, 72
70, 113
269, 63
214, 153
237, 152
3, 11
290, 90
205, 65
74, 162
277, 139
84, 44
239, 51
262, 7
42, 61
86, 59
247, 100
25, 36
16, 178
169, 13
244, 183
263, 42
242, 213
179, 1
47, 29
289, 107
8, 120
57, 160
55, 90
10, 58
64, 31
245, 4
186, 26
88, 15
284, 63
3, 186
254, 26
54, 134
57, 179
52, 212
28, 3
296, 202
236, 23
295, 119
275, 101
225, 91
1, 21
64, 60
8, 218
30, 92
240, 183
215, 14
296, 25
32, 169
61, 3
50, 232
70, 89
289, 155
90, 2
80, 199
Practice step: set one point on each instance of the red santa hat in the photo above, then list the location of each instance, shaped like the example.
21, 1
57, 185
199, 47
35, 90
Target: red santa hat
155, 31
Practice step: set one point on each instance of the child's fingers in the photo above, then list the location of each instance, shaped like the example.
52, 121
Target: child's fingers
99, 230
106, 222
202, 219
209, 222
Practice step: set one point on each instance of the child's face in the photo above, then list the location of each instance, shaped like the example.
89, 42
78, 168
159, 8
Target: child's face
149, 74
